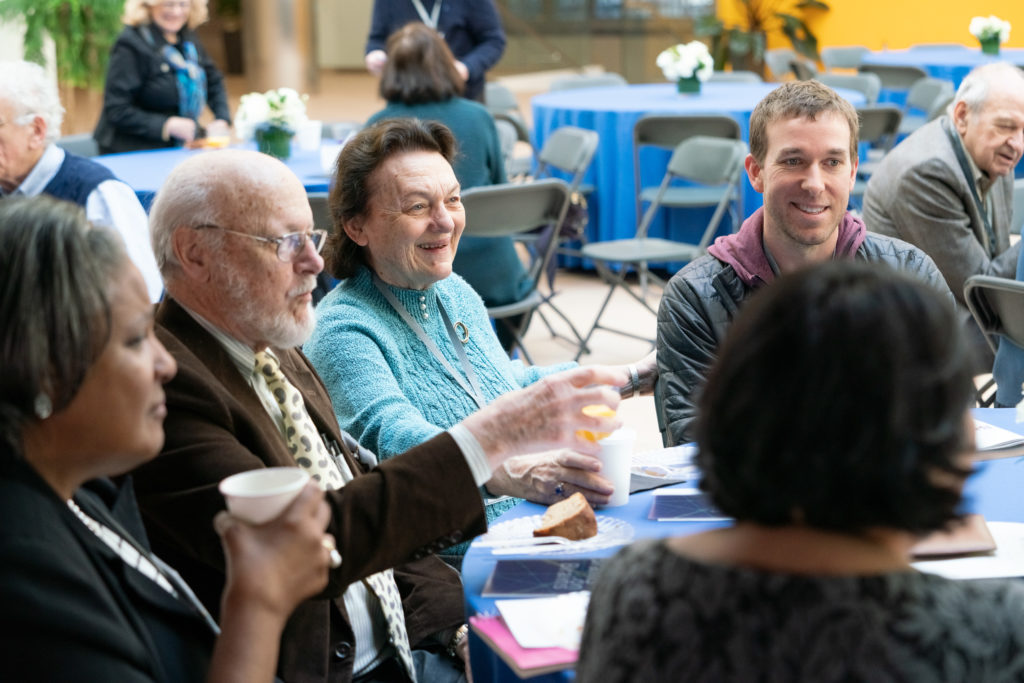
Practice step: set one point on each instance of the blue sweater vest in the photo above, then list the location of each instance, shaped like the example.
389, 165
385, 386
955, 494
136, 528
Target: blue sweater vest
77, 178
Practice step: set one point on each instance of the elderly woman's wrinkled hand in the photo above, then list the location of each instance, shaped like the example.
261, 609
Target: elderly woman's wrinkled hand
547, 415
277, 565
549, 477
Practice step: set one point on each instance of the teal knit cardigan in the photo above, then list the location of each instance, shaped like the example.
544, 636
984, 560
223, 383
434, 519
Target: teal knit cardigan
387, 389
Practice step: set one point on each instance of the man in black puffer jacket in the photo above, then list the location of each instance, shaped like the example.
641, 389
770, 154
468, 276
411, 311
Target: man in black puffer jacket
803, 159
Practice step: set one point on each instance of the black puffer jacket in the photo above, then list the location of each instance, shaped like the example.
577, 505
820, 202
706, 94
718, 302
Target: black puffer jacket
700, 303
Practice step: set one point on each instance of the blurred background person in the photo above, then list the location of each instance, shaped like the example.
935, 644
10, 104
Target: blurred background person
32, 164
472, 29
420, 80
813, 579
160, 80
397, 223
82, 399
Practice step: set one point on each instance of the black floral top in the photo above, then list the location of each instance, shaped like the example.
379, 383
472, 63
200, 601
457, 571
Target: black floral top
657, 616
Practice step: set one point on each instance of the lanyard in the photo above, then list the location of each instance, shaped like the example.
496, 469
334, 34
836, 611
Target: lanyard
428, 19
961, 157
173, 583
472, 388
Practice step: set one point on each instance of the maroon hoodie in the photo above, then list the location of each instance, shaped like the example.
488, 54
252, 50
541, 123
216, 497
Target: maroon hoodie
744, 250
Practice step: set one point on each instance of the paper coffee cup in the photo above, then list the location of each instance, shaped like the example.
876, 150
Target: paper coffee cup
616, 455
258, 496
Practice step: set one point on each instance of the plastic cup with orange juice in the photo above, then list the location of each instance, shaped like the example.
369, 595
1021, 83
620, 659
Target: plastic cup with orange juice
596, 410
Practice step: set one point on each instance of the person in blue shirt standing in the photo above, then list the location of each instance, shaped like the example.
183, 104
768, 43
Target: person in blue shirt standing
471, 28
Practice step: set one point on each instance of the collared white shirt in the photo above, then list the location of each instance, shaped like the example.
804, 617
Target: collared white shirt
112, 204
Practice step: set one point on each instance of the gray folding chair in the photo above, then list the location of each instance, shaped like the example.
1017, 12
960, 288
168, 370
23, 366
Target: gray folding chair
895, 77
803, 69
570, 150
928, 96
321, 221
778, 60
710, 161
1017, 219
517, 166
997, 305
513, 209
504, 107
846, 57
602, 80
735, 77
878, 127
666, 131
868, 85
81, 144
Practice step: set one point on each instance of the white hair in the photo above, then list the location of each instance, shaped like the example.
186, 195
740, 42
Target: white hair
974, 89
31, 92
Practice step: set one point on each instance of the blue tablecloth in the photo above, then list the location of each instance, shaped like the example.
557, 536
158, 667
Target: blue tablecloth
612, 112
145, 171
949, 63
994, 491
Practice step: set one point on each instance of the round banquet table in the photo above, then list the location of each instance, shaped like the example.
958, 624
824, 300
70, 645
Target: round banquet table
612, 112
950, 63
144, 171
993, 490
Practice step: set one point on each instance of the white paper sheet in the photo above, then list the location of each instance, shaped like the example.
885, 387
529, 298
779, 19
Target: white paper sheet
546, 622
1006, 561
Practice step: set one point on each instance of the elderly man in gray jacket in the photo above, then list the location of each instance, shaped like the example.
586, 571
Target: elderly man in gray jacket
803, 159
948, 188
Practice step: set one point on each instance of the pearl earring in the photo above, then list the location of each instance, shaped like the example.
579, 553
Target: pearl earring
43, 406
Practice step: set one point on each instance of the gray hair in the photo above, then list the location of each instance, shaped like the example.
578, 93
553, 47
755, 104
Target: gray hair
31, 92
974, 89
54, 301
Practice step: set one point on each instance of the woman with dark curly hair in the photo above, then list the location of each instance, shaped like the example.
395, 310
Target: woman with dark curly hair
812, 581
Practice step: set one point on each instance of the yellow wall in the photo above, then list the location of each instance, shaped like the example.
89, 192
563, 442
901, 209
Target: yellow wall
894, 24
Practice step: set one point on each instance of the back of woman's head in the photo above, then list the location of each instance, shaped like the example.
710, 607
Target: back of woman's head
420, 67
838, 401
54, 304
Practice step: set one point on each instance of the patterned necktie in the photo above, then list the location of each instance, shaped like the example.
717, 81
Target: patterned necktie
310, 454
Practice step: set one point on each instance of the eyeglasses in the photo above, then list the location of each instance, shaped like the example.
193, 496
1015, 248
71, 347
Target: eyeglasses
175, 4
288, 246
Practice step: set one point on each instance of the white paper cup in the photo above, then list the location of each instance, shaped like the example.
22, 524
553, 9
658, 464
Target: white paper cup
616, 454
307, 137
258, 496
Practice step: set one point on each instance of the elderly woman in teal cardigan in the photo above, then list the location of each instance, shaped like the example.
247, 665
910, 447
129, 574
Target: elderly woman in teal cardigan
405, 346
420, 81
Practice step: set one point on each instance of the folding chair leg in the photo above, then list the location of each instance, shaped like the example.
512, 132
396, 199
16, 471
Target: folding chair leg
575, 333
583, 344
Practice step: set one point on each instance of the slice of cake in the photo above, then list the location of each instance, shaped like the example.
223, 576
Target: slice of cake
571, 518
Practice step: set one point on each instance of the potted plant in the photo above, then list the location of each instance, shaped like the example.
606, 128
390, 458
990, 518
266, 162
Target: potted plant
82, 32
272, 119
687, 64
743, 44
991, 32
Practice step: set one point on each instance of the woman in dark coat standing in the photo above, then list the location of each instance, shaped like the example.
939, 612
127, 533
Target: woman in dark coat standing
160, 80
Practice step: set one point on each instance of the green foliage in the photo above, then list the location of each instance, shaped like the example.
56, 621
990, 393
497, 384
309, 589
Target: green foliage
83, 32
743, 45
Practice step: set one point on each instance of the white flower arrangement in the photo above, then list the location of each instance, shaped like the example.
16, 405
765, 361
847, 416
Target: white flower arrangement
987, 28
283, 108
686, 60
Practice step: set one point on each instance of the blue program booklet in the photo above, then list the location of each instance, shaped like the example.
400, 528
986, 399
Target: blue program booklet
523, 578
684, 505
